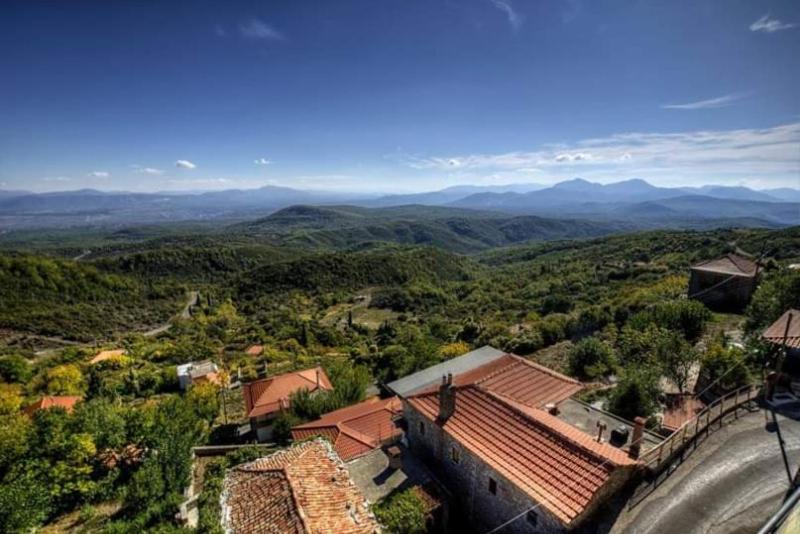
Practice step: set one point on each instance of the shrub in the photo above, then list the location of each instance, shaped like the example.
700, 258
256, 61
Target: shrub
591, 358
402, 513
636, 394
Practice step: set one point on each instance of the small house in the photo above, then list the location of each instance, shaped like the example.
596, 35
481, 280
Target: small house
725, 283
357, 430
265, 399
197, 373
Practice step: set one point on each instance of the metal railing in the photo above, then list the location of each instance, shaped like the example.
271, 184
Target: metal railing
654, 458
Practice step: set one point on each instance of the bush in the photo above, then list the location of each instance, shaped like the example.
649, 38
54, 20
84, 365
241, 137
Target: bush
686, 316
777, 293
402, 513
591, 358
728, 365
636, 394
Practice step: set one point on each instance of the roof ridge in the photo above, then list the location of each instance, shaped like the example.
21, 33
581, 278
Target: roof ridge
545, 369
539, 416
356, 435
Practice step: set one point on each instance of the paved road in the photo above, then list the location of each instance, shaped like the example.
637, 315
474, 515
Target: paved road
731, 484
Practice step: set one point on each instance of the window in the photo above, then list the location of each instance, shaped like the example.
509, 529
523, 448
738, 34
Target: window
455, 455
532, 518
422, 428
492, 486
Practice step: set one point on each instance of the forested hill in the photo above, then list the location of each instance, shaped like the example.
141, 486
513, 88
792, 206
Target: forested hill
456, 230
77, 301
384, 267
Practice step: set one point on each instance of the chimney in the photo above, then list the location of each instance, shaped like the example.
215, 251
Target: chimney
636, 440
447, 398
318, 381
601, 427
551, 408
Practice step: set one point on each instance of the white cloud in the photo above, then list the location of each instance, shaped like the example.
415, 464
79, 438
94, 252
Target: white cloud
99, 174
257, 29
767, 156
219, 31
52, 179
768, 25
514, 18
578, 156
262, 161
147, 170
711, 103
185, 164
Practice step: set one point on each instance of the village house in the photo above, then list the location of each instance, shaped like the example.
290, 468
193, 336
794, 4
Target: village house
198, 373
303, 489
357, 430
254, 350
494, 435
265, 399
66, 402
725, 283
785, 333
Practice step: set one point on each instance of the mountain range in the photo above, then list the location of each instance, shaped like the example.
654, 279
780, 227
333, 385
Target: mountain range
627, 201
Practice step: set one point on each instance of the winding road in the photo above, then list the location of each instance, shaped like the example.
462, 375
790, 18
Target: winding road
185, 313
732, 484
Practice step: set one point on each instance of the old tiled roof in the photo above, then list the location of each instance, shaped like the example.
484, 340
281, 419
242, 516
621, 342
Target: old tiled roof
776, 331
356, 430
305, 488
519, 379
265, 396
65, 401
729, 264
559, 466
255, 350
107, 355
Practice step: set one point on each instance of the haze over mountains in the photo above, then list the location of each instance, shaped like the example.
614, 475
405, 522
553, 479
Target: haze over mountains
631, 201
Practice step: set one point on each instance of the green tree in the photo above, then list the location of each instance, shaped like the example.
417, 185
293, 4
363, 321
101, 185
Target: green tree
591, 358
15, 368
402, 512
636, 394
65, 380
778, 292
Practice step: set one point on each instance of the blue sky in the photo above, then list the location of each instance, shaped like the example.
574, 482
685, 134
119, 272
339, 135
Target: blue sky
397, 95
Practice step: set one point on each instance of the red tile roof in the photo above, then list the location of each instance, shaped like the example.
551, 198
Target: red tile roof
519, 379
107, 355
255, 350
729, 264
264, 397
305, 488
358, 429
66, 402
557, 465
776, 331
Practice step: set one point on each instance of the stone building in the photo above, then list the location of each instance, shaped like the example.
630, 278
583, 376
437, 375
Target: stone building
725, 283
491, 437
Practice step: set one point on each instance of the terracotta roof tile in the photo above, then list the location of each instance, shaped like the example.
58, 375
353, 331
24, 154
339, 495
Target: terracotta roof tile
556, 464
305, 488
66, 402
255, 350
264, 397
107, 355
358, 429
776, 331
519, 379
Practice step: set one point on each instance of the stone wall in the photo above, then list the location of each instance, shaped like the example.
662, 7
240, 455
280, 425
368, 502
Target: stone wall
469, 479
